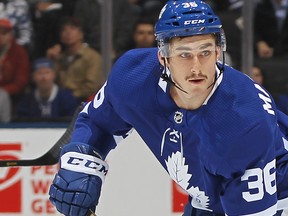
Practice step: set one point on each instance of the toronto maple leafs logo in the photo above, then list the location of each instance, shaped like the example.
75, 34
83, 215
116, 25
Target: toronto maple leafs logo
179, 173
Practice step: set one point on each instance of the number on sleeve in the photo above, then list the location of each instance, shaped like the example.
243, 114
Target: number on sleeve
270, 177
257, 184
265, 180
99, 97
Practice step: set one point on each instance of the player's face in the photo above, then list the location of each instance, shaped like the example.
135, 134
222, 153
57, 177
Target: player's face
192, 63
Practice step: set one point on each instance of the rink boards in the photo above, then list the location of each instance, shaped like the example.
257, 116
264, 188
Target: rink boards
134, 185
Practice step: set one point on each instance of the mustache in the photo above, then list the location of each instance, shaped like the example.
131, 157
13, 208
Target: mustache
196, 76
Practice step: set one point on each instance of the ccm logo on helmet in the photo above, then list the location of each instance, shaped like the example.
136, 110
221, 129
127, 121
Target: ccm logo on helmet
83, 163
193, 22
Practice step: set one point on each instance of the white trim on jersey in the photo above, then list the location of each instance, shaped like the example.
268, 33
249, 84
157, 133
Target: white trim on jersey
217, 83
163, 84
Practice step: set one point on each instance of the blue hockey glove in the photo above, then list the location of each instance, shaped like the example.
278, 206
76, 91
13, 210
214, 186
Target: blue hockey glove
77, 185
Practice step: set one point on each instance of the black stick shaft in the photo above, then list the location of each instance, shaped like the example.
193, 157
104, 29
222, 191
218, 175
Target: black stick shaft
52, 156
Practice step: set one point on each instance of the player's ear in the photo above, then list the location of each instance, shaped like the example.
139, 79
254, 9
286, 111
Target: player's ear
161, 58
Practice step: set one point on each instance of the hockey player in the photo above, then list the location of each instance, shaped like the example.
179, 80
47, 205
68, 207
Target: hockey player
221, 128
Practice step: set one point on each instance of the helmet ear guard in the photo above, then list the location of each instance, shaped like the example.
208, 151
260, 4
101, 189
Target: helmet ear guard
163, 48
222, 40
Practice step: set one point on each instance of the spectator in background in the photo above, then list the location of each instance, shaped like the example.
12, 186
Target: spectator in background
257, 75
271, 28
5, 107
149, 8
68, 6
78, 66
17, 11
45, 17
14, 63
47, 100
89, 14
143, 34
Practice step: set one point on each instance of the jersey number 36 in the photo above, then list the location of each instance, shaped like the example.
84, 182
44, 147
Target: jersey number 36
263, 180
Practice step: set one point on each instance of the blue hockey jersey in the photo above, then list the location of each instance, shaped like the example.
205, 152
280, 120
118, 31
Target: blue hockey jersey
230, 155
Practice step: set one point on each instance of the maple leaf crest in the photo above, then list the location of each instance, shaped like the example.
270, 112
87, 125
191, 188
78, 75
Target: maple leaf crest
178, 171
200, 200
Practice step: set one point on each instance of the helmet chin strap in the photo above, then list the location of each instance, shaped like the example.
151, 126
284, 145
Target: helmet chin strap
168, 79
221, 70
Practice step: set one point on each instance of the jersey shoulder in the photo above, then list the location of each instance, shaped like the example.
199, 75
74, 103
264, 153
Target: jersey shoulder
238, 93
242, 121
134, 75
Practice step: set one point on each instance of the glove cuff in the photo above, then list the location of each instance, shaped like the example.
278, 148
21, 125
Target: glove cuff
82, 158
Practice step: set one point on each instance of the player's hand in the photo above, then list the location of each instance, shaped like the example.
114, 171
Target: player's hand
264, 51
54, 52
77, 185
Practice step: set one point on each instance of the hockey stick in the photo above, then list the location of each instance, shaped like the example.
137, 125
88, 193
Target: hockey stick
52, 156
90, 213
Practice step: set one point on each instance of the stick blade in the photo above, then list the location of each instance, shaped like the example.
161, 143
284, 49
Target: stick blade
52, 156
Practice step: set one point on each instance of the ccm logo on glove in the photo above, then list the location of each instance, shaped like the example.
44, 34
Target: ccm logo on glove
83, 163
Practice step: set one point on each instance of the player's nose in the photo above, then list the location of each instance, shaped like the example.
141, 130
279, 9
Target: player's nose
195, 65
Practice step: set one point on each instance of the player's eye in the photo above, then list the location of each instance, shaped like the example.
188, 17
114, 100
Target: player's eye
185, 55
205, 53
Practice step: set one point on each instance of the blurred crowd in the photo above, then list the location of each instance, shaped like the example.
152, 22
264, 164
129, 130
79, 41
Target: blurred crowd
50, 55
